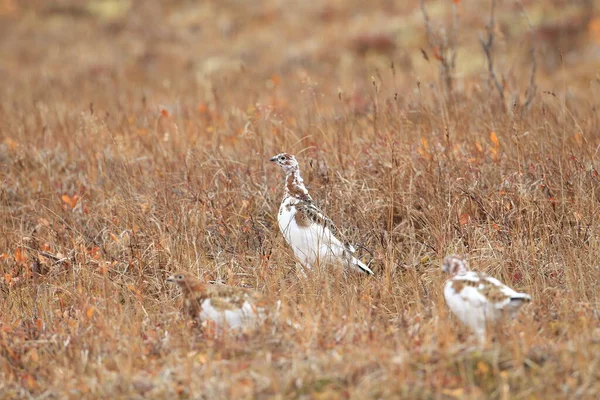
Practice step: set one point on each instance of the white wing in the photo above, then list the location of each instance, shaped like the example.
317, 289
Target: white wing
510, 301
317, 239
234, 319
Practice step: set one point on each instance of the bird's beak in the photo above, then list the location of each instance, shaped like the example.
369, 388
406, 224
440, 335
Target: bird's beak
171, 279
273, 159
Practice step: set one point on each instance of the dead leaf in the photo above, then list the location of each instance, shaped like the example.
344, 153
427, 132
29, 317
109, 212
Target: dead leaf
71, 201
482, 368
464, 219
20, 256
594, 29
494, 139
457, 393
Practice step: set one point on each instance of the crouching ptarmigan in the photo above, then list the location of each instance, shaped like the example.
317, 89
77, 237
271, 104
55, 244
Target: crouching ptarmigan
234, 308
311, 234
477, 299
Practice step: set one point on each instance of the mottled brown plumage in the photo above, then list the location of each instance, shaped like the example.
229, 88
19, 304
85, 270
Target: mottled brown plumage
295, 188
478, 299
225, 305
312, 235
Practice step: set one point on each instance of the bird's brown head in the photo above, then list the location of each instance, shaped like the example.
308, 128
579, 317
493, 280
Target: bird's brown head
186, 281
454, 265
286, 161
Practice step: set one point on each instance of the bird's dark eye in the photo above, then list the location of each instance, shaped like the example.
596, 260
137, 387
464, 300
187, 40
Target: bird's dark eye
179, 276
281, 158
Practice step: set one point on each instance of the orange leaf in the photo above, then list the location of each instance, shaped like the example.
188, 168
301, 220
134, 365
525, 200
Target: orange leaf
30, 380
464, 218
90, 312
276, 80
456, 1
71, 201
424, 150
20, 257
94, 252
202, 108
436, 54
482, 368
164, 113
11, 143
33, 355
7, 278
594, 29
3, 256
494, 139
66, 199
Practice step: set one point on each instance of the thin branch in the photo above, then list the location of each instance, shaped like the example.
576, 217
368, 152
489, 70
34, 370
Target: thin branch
487, 45
532, 88
444, 48
427, 22
453, 35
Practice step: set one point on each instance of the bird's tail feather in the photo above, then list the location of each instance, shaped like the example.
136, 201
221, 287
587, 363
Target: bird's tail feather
520, 298
361, 266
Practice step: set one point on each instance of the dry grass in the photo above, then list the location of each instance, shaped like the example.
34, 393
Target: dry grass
135, 139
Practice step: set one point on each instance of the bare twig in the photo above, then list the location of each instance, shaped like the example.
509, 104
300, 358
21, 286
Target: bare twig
427, 22
57, 260
443, 46
487, 45
532, 88
453, 35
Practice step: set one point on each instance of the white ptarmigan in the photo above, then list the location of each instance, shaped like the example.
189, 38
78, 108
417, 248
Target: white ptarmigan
229, 307
311, 234
478, 299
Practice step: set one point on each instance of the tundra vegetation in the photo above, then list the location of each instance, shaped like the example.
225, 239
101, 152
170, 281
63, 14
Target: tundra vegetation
135, 139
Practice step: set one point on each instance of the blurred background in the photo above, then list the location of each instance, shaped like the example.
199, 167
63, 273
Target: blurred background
193, 48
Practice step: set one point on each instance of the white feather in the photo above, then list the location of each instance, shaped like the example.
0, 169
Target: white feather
315, 243
237, 318
473, 308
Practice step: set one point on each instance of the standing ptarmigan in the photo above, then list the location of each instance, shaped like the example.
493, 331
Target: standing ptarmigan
226, 306
477, 299
311, 234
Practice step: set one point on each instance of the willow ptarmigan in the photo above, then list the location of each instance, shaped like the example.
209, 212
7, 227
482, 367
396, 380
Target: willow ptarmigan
230, 307
311, 234
477, 299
